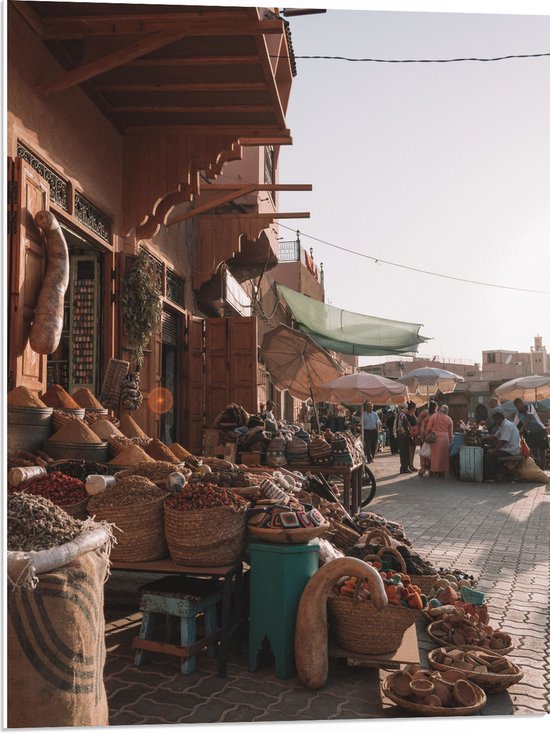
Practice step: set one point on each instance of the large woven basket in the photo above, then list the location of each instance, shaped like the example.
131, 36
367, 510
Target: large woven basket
491, 682
359, 627
139, 530
78, 510
205, 537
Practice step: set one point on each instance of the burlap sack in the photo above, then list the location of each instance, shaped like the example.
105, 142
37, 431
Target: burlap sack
56, 648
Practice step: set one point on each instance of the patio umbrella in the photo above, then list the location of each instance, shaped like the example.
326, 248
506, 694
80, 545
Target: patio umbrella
297, 363
363, 387
529, 388
426, 381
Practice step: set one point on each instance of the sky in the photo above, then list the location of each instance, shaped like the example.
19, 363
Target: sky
443, 167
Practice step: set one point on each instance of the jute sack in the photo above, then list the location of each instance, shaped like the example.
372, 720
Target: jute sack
56, 640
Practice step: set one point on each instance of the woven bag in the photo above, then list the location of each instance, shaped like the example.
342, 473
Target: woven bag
139, 530
205, 537
359, 627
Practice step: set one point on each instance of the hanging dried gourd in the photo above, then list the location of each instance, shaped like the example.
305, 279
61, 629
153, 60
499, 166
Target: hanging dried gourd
141, 305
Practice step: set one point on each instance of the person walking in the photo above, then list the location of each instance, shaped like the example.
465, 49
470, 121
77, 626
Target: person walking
403, 432
532, 428
390, 421
441, 424
423, 419
371, 426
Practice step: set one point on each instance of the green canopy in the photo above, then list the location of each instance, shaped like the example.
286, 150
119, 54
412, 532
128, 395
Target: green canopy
351, 333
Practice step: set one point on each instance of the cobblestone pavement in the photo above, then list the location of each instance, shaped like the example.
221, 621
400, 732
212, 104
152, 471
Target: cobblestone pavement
497, 532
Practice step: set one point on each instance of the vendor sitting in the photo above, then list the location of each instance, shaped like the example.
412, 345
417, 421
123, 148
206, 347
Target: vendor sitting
505, 442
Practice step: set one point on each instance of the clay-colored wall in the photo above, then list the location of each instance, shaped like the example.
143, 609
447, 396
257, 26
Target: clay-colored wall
65, 129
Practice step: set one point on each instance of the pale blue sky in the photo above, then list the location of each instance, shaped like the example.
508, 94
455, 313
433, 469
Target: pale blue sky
443, 167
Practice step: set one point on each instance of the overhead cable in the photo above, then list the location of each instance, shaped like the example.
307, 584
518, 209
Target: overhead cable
414, 269
419, 61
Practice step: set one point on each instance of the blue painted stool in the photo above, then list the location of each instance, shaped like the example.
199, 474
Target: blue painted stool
174, 599
278, 575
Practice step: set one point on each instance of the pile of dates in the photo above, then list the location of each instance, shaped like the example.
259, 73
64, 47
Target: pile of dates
199, 495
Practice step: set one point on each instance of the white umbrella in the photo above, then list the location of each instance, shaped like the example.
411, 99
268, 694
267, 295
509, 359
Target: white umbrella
361, 387
529, 388
426, 381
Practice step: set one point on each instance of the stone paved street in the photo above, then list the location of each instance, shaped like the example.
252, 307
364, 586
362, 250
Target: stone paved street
497, 532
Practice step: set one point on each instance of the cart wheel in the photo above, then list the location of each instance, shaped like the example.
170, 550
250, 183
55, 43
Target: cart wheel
368, 485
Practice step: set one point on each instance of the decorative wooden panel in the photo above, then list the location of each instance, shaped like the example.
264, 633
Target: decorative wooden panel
161, 169
243, 340
219, 239
27, 262
216, 368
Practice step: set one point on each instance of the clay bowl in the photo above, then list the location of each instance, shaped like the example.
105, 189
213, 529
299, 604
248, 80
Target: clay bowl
433, 701
464, 693
443, 690
421, 687
401, 684
452, 675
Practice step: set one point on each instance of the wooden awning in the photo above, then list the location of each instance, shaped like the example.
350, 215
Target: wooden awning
185, 85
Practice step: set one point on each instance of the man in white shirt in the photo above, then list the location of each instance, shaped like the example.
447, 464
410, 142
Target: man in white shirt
505, 442
533, 429
371, 426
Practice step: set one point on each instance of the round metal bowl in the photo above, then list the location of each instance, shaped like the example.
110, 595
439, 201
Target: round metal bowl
97, 452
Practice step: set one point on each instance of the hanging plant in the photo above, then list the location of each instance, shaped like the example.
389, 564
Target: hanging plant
141, 305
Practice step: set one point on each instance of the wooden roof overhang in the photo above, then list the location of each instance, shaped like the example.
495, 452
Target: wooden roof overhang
186, 86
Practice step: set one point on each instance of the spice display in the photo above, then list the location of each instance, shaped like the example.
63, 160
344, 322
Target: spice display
56, 396
129, 491
153, 470
79, 469
204, 496
87, 399
130, 456
230, 478
105, 429
129, 427
23, 397
157, 450
35, 523
118, 443
75, 431
57, 487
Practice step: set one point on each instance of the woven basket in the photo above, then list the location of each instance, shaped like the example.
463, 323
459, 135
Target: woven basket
360, 627
442, 642
422, 709
342, 537
78, 510
491, 682
287, 536
139, 530
205, 537
424, 582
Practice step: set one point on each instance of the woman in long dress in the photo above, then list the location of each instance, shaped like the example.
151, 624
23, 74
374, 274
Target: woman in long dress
423, 419
442, 425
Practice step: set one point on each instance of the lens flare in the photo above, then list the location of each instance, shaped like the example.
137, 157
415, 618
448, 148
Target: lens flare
160, 400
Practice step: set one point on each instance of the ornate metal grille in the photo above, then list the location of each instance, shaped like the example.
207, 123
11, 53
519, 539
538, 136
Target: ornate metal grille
91, 217
289, 251
158, 269
59, 187
174, 288
269, 154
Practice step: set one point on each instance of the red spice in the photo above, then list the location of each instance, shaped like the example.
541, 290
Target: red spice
204, 496
57, 487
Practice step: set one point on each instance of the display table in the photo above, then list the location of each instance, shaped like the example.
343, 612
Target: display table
278, 575
352, 477
232, 579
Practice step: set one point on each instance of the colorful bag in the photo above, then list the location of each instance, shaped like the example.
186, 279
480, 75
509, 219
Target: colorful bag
431, 437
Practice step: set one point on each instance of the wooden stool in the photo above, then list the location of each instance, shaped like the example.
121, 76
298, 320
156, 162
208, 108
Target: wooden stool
185, 599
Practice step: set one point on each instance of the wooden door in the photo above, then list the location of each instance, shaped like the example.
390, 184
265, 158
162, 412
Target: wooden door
27, 267
231, 346
194, 381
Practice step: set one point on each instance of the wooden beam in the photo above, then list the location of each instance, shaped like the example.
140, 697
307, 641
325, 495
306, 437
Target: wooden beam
163, 109
247, 131
196, 61
243, 190
109, 61
274, 215
30, 15
269, 76
249, 141
192, 86
258, 187
79, 27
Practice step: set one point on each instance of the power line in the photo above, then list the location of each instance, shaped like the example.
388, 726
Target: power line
420, 61
415, 269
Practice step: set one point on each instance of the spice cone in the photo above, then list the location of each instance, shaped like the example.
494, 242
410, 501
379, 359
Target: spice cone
56, 396
130, 428
131, 455
85, 398
75, 431
104, 429
23, 397
160, 452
